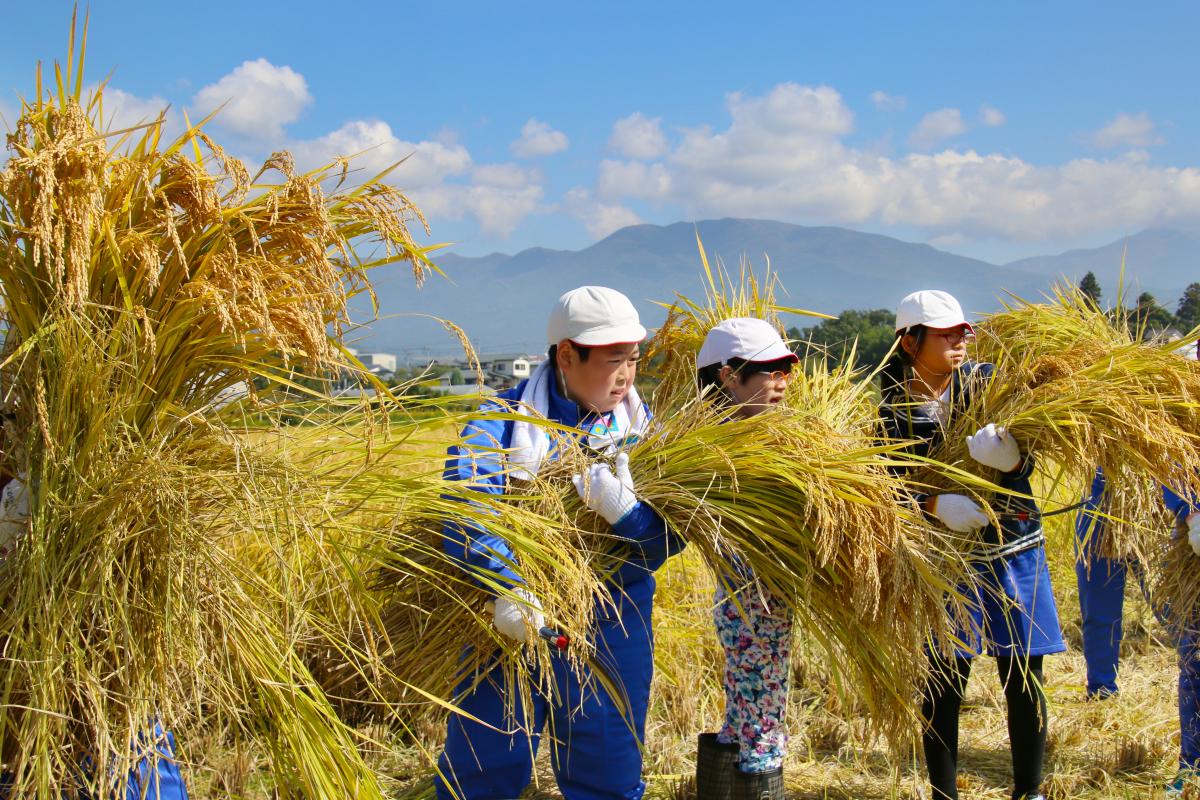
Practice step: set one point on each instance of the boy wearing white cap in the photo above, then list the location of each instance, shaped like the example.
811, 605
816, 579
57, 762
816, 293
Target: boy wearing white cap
745, 366
586, 383
926, 383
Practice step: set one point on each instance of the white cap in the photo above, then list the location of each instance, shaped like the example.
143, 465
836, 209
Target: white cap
1189, 350
747, 338
931, 308
594, 316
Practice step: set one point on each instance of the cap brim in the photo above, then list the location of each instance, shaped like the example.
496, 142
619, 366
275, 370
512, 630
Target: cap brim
948, 322
618, 334
776, 352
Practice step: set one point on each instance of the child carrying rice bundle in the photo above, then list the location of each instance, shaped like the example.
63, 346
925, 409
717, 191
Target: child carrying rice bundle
801, 495
929, 387
582, 398
1073, 385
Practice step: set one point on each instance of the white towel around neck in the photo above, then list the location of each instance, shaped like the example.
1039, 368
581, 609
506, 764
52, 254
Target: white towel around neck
531, 442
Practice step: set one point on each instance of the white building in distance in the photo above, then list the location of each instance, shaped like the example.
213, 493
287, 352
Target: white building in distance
385, 362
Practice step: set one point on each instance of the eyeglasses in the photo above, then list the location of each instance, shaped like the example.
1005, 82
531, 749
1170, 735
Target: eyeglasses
955, 336
777, 370
776, 375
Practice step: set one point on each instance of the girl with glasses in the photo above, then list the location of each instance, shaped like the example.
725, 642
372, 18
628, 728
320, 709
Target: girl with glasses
926, 384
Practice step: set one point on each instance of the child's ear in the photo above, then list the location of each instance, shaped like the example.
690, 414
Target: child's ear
726, 377
908, 343
565, 354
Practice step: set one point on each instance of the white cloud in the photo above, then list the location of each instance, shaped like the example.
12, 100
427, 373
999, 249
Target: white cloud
886, 102
600, 219
439, 176
633, 179
638, 136
500, 210
991, 117
1127, 130
426, 163
949, 240
785, 155
259, 99
791, 129
124, 110
497, 209
538, 139
937, 126
505, 176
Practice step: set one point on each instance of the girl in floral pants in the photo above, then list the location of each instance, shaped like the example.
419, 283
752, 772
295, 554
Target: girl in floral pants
745, 364
757, 642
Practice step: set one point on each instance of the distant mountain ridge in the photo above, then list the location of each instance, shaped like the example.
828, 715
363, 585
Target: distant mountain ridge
501, 300
1162, 262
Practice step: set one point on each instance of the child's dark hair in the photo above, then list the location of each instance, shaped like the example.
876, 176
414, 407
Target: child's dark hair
894, 374
552, 353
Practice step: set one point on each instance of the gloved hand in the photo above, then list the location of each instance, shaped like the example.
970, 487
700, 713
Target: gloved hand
516, 619
994, 447
607, 493
958, 512
1193, 522
14, 515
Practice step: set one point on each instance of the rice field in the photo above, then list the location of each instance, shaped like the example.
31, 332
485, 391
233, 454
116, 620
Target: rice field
1124, 746
279, 598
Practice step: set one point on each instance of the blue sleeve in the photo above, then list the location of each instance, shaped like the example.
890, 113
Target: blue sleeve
1093, 499
643, 528
1177, 504
475, 460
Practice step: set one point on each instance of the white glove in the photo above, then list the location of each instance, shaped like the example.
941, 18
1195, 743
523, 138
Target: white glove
993, 447
518, 619
1193, 522
607, 493
958, 512
14, 515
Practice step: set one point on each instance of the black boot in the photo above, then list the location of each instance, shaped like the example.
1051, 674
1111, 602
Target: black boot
758, 785
715, 765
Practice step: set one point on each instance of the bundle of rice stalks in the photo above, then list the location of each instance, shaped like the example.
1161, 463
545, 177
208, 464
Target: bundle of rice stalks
817, 517
433, 624
1079, 391
803, 495
143, 281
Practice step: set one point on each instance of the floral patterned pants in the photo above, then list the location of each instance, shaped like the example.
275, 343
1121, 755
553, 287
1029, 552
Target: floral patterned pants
757, 642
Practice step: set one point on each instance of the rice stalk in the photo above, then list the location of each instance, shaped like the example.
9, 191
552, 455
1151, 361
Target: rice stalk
672, 350
143, 281
1080, 390
803, 495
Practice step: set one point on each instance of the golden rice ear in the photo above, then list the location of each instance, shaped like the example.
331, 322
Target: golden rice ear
804, 496
1079, 389
183, 559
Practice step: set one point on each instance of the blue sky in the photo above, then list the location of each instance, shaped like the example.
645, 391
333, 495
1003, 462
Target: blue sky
993, 130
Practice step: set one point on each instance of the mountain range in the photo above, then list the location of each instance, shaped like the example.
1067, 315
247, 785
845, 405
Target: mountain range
501, 301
